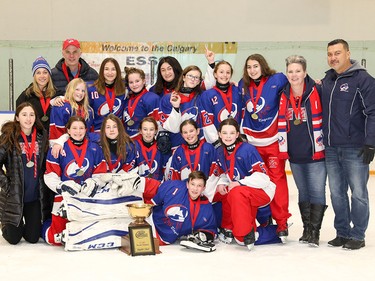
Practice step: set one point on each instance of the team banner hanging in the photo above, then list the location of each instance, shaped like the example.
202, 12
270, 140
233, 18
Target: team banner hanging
145, 55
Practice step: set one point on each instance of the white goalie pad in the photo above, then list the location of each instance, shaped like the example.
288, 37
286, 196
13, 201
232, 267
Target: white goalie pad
95, 235
104, 205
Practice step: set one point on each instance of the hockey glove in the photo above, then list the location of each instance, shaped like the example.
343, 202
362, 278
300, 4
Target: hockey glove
368, 152
90, 187
129, 186
69, 186
200, 240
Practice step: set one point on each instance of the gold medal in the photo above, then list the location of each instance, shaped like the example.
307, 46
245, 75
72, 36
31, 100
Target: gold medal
149, 175
130, 122
30, 164
80, 173
44, 118
254, 116
297, 122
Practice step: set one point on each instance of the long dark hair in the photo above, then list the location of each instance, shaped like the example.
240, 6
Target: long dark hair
265, 68
11, 130
177, 69
123, 139
119, 85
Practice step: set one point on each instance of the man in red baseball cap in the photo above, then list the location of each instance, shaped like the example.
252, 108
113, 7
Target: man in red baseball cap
71, 66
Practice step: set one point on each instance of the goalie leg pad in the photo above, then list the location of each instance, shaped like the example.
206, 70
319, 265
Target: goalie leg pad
95, 235
104, 205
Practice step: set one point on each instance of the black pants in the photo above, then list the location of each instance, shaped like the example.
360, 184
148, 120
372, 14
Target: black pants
29, 228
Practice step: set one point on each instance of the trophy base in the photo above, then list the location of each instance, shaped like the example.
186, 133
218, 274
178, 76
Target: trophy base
127, 248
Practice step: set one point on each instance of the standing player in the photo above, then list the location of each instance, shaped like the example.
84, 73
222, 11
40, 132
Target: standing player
261, 86
107, 94
140, 103
223, 101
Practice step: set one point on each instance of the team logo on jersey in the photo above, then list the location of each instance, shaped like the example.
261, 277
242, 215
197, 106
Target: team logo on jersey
344, 87
224, 114
176, 213
190, 113
104, 108
72, 168
143, 168
259, 106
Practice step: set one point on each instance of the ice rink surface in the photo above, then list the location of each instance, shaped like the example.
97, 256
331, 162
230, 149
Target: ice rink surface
292, 261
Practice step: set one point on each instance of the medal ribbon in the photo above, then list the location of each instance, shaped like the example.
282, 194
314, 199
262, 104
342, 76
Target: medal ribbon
66, 74
30, 148
296, 109
227, 98
195, 206
231, 158
188, 153
259, 89
133, 101
79, 159
44, 102
153, 149
110, 100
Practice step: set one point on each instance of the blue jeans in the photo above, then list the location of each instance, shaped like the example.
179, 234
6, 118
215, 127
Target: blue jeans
346, 170
310, 180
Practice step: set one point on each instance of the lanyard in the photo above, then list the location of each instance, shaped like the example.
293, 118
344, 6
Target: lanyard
231, 157
79, 159
133, 101
29, 148
196, 152
227, 99
110, 99
44, 102
65, 71
259, 89
153, 149
195, 206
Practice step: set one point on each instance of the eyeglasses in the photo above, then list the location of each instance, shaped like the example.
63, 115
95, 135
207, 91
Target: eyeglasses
191, 77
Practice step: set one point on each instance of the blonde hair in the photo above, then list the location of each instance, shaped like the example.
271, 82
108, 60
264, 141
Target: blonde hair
34, 88
69, 96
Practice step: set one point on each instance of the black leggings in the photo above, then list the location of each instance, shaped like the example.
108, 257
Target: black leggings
29, 228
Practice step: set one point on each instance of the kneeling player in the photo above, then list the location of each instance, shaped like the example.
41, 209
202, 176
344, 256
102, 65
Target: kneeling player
182, 210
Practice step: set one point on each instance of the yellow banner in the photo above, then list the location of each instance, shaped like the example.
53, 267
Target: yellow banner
165, 48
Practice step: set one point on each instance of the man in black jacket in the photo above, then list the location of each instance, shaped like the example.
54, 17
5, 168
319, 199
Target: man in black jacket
71, 66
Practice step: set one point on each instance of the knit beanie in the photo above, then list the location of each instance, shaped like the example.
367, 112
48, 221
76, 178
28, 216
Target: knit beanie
40, 62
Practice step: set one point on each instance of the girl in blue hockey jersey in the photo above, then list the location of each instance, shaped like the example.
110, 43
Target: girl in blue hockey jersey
118, 148
76, 103
77, 170
223, 101
107, 94
181, 104
244, 185
149, 159
261, 86
193, 155
140, 103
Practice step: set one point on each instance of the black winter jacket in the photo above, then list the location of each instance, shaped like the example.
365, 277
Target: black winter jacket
87, 73
35, 101
12, 182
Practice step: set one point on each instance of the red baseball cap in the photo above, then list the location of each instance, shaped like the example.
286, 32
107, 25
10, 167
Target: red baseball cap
71, 42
